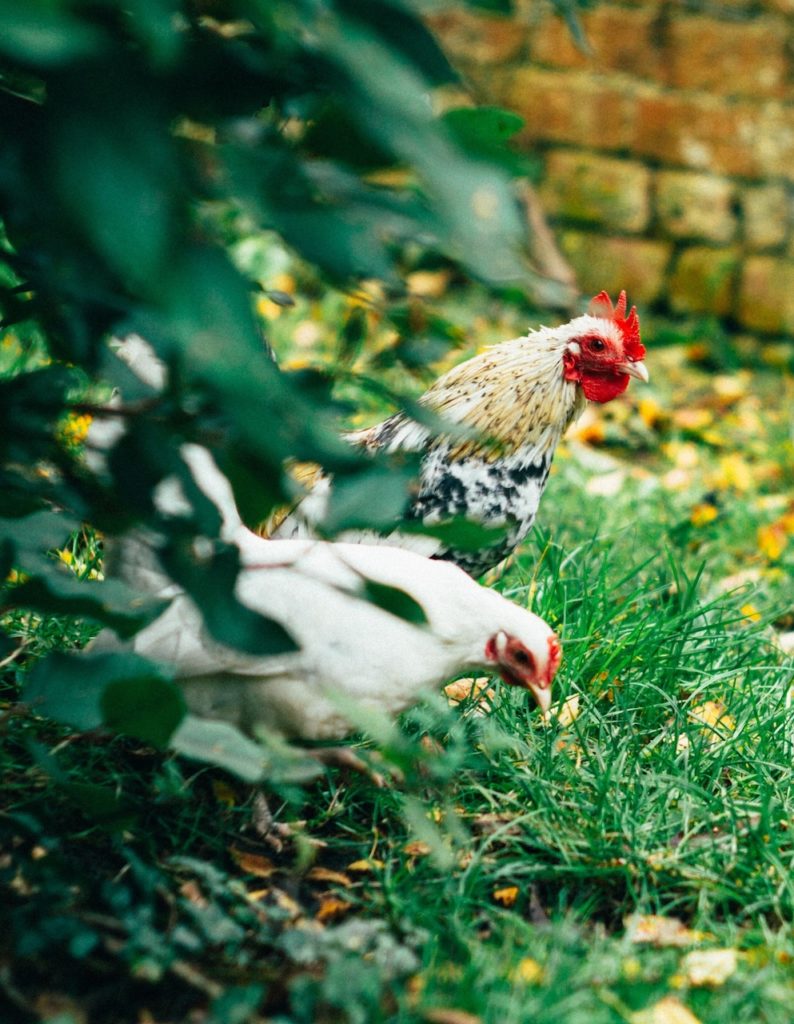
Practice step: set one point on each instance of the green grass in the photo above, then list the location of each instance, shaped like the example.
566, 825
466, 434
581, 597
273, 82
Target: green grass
125, 888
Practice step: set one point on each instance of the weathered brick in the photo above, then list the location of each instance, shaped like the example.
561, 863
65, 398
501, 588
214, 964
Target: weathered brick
766, 211
691, 205
619, 39
703, 132
766, 295
703, 280
575, 107
602, 261
478, 38
730, 57
597, 189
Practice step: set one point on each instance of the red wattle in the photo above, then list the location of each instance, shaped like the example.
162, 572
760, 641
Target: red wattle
602, 388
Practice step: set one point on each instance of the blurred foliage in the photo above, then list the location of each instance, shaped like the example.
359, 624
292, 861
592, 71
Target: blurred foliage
142, 143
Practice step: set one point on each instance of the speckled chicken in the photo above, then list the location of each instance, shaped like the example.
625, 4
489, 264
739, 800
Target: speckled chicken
518, 398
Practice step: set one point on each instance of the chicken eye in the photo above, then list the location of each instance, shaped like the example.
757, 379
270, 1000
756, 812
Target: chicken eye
522, 657
597, 345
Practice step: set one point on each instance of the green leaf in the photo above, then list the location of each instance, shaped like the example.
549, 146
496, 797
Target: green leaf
374, 499
45, 34
220, 744
115, 172
123, 691
460, 534
210, 582
396, 601
150, 709
353, 333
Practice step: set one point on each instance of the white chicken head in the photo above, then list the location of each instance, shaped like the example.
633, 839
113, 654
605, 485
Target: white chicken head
531, 666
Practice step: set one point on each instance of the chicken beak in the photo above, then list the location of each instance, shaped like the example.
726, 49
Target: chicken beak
634, 368
542, 694
540, 687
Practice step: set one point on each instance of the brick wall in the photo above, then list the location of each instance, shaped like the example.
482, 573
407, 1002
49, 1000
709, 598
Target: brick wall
668, 151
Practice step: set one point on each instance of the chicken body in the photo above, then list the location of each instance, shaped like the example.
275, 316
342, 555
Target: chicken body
518, 397
352, 655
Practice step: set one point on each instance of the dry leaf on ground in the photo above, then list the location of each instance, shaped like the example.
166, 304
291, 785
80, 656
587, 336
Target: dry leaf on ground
253, 863
667, 1011
476, 690
507, 895
365, 865
451, 1016
660, 931
713, 714
320, 874
331, 907
564, 713
709, 967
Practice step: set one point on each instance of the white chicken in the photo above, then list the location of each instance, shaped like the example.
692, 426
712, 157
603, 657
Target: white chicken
352, 654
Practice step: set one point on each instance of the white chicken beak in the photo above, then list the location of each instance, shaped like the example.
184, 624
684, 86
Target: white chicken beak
634, 368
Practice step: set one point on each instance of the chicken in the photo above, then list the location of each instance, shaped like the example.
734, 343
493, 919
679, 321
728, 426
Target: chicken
352, 654
517, 398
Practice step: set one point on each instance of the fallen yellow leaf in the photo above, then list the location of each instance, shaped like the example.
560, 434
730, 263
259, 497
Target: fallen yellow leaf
734, 472
528, 972
667, 1011
506, 896
772, 540
749, 611
709, 967
565, 713
320, 874
714, 715
729, 388
651, 413
658, 930
429, 284
703, 514
692, 419
476, 690
332, 907
451, 1016
253, 863
370, 864
416, 848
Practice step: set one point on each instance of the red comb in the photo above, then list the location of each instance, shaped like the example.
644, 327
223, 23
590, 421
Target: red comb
629, 325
